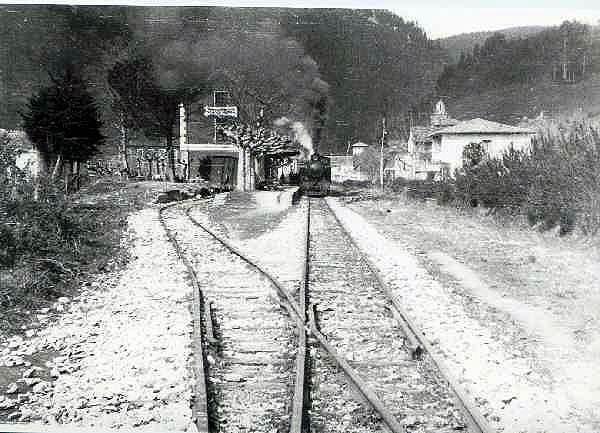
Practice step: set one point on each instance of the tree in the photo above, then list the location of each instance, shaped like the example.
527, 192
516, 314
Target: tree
152, 108
62, 122
369, 161
473, 154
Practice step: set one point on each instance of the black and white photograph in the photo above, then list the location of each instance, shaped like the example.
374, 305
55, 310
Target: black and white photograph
300, 217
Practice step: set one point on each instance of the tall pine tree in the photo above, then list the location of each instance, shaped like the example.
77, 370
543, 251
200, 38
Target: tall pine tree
62, 121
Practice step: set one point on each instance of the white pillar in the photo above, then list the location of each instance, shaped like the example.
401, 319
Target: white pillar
249, 171
182, 126
241, 182
183, 153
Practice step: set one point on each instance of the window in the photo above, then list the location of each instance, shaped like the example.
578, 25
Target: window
486, 145
221, 98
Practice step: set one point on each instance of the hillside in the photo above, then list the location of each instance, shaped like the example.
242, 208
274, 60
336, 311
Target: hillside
511, 103
465, 42
376, 65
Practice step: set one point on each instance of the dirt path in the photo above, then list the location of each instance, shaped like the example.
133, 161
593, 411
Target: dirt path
494, 301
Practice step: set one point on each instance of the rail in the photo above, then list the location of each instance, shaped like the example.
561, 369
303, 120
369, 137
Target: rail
475, 420
299, 316
200, 403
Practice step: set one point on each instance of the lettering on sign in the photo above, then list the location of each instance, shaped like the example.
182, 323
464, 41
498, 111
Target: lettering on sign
221, 111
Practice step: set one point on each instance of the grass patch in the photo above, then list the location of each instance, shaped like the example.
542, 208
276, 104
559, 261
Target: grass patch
51, 247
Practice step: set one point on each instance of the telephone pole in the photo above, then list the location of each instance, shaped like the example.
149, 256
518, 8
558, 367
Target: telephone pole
383, 133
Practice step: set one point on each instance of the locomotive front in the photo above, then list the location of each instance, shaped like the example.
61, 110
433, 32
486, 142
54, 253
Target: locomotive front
316, 176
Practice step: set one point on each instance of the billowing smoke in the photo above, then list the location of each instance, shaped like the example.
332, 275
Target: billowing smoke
301, 135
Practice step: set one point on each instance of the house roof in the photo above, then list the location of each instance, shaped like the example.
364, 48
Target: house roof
360, 144
481, 126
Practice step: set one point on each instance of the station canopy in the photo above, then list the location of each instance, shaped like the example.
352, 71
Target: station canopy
261, 141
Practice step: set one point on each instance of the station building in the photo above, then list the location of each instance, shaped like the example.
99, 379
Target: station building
207, 154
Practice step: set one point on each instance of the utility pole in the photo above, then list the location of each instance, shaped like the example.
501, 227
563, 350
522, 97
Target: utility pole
383, 133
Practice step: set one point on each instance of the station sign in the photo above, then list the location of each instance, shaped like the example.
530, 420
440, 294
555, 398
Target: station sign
231, 111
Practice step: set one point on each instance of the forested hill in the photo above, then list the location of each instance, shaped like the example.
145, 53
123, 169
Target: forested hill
507, 79
376, 65
465, 42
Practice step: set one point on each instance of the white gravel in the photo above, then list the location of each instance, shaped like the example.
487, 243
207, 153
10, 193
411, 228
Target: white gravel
124, 346
279, 251
513, 391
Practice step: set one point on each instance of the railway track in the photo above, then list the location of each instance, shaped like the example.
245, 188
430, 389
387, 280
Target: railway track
358, 319
250, 364
262, 371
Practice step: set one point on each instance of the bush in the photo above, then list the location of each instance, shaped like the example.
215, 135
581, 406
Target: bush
556, 183
496, 182
43, 228
40, 241
566, 186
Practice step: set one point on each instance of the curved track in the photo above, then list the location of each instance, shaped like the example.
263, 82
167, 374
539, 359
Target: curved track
327, 254
200, 402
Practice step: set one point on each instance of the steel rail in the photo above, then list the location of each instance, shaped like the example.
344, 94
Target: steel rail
200, 404
294, 310
388, 418
298, 422
370, 396
475, 420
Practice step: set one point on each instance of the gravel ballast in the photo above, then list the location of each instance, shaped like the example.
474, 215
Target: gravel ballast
515, 389
120, 353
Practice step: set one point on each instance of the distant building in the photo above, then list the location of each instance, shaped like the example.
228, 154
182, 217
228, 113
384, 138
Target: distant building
398, 164
346, 167
496, 138
420, 159
436, 150
358, 148
28, 158
206, 151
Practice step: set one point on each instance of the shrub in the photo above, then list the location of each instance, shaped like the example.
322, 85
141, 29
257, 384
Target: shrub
496, 182
446, 193
565, 188
43, 228
556, 183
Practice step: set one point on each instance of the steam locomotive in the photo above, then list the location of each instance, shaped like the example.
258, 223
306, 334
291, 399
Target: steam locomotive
315, 176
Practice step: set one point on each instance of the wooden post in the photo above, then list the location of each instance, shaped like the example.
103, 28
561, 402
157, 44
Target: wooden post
383, 132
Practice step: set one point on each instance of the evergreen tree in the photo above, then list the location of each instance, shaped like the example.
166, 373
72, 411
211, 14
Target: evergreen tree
62, 122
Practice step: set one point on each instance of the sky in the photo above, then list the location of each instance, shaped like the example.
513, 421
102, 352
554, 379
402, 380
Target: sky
442, 22
436, 17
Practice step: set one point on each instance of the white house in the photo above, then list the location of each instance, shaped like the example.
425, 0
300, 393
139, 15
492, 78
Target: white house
436, 149
418, 161
346, 167
28, 158
448, 143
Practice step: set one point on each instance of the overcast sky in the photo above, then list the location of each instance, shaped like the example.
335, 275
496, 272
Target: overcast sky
438, 18
440, 22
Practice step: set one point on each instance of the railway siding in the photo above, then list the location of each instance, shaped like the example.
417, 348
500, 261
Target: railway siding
353, 314
512, 392
251, 367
